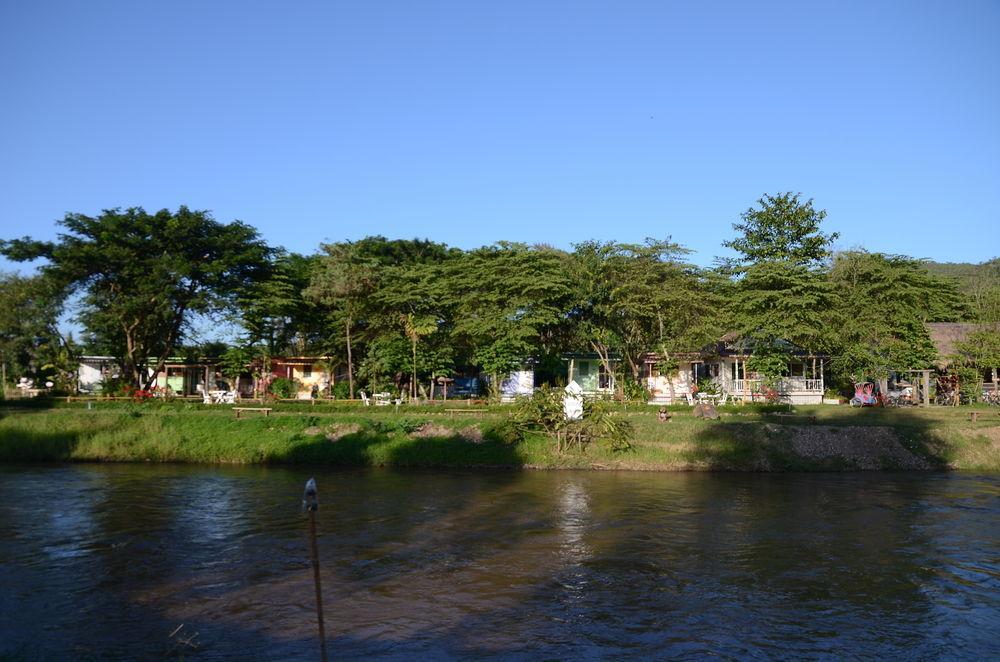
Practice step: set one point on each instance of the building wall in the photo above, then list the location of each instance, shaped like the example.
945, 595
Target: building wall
587, 373
518, 382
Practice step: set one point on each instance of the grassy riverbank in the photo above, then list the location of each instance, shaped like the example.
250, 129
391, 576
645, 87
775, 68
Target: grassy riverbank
744, 439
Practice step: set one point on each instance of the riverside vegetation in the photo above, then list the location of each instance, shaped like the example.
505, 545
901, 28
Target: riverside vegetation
747, 438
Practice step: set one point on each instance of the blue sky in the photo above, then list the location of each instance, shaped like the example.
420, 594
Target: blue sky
472, 122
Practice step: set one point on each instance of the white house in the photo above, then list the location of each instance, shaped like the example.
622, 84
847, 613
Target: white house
92, 372
517, 383
726, 366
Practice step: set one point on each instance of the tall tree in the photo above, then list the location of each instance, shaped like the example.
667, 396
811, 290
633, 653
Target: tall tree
342, 282
507, 300
143, 275
780, 291
781, 229
410, 301
30, 342
633, 298
880, 305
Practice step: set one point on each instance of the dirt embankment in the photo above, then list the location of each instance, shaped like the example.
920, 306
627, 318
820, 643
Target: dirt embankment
857, 447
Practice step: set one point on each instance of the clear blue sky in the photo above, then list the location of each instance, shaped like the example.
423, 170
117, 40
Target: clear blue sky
471, 122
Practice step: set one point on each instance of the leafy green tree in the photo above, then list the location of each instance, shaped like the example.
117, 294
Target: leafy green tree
343, 280
410, 303
30, 342
632, 298
274, 313
507, 302
142, 276
782, 229
780, 293
880, 305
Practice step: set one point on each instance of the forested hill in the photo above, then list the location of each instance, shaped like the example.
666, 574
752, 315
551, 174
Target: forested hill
970, 276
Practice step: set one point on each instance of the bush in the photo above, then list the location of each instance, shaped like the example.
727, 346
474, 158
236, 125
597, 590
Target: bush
285, 388
544, 411
969, 384
634, 391
342, 390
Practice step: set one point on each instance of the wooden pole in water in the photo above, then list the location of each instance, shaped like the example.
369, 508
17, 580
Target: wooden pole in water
311, 503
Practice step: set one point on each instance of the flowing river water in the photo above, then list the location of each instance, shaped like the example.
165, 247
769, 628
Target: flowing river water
137, 561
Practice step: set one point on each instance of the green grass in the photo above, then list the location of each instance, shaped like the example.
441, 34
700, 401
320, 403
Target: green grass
744, 439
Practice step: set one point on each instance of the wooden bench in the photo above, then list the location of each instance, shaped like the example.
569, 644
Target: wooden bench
239, 410
477, 412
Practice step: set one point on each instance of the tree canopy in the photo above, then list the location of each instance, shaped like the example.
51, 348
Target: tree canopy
399, 313
141, 276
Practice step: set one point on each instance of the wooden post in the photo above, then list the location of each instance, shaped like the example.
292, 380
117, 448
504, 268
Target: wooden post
926, 374
311, 503
569, 378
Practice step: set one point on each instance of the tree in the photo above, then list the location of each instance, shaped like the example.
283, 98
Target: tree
274, 313
343, 280
143, 275
30, 342
880, 305
780, 292
783, 229
507, 301
632, 298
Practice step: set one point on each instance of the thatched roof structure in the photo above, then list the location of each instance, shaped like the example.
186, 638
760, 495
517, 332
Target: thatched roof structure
946, 336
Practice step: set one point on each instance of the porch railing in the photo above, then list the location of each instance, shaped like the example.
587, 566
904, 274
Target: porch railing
785, 385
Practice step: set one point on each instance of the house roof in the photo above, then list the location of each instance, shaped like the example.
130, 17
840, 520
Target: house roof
946, 336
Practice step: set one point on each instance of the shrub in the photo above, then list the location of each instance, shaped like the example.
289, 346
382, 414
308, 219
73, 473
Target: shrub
969, 384
342, 390
285, 388
634, 391
544, 411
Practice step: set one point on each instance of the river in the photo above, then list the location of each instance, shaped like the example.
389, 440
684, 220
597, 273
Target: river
139, 561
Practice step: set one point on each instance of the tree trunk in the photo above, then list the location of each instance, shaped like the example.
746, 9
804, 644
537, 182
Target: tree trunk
413, 384
350, 360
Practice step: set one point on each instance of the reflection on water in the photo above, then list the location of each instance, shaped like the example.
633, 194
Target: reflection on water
108, 561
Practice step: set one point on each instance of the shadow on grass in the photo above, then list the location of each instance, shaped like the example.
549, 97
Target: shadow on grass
31, 446
29, 404
373, 449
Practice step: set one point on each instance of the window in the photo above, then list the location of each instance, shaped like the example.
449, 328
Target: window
307, 372
603, 378
583, 369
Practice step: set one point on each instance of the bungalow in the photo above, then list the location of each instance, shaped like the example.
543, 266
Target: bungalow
520, 382
590, 372
313, 373
947, 336
188, 378
725, 364
93, 371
